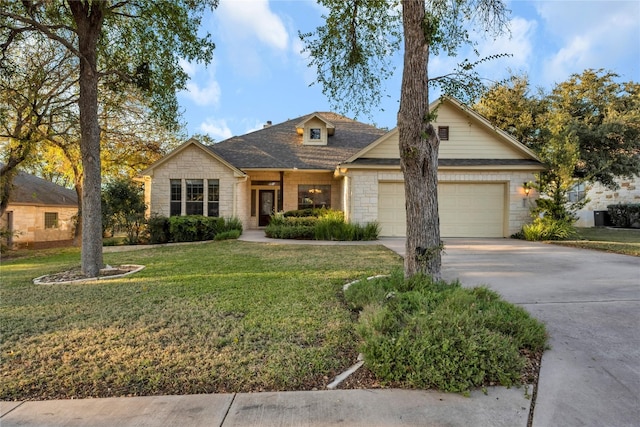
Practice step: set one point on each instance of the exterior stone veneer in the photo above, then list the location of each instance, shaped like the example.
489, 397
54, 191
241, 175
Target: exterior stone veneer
362, 199
600, 197
192, 163
29, 220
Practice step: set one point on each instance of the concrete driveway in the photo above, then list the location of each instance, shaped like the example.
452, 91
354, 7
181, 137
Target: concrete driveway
590, 302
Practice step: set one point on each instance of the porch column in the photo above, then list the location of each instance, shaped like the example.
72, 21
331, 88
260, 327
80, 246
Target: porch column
281, 192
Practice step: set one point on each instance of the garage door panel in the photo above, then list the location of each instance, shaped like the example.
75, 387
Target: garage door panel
466, 209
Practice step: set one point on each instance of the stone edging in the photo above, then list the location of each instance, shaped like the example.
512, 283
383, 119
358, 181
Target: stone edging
137, 267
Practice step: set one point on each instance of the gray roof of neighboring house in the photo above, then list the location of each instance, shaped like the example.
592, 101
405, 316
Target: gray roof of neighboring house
30, 190
280, 147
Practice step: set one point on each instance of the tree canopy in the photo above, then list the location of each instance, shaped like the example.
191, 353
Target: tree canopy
601, 113
120, 44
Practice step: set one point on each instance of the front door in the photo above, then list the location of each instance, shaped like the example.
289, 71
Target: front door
267, 203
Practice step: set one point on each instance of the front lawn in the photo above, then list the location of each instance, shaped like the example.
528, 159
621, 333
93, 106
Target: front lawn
224, 316
624, 241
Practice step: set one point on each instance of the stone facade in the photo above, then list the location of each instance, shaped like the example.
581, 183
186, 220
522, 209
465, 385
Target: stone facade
28, 222
194, 163
600, 197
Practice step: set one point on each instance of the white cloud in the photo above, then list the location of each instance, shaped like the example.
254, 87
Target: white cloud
216, 128
255, 18
596, 34
202, 87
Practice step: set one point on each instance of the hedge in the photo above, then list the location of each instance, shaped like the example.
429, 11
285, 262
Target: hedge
191, 228
625, 215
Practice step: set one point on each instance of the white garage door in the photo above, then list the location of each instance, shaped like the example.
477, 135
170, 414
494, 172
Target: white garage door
466, 209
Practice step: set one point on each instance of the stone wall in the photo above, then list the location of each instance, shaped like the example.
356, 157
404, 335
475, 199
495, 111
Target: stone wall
600, 197
28, 223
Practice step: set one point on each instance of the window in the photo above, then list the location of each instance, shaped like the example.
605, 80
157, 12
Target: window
51, 220
175, 205
443, 133
195, 196
315, 133
577, 193
213, 198
314, 196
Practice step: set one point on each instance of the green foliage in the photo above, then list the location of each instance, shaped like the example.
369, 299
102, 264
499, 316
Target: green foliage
308, 212
599, 114
123, 208
353, 52
226, 235
548, 228
325, 224
158, 229
431, 334
193, 228
625, 215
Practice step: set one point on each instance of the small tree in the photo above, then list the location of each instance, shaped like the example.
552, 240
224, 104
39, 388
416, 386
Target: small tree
560, 154
123, 208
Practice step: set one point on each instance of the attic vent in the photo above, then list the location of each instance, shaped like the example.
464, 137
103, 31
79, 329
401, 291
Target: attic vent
266, 125
443, 133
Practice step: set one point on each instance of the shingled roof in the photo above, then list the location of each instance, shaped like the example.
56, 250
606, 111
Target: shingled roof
30, 190
280, 147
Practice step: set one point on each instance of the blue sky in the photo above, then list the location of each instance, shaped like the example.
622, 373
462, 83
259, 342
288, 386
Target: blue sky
259, 73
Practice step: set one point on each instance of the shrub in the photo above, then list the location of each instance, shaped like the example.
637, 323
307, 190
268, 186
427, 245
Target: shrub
319, 224
193, 228
158, 229
625, 215
184, 228
433, 334
123, 208
547, 228
226, 235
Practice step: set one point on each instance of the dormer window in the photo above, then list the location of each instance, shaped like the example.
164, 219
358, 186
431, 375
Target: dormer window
315, 134
315, 130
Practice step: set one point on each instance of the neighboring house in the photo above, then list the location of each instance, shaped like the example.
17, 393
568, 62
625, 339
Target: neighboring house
40, 213
595, 211
325, 159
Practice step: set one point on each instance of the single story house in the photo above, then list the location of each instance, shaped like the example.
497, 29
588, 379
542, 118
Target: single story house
40, 213
325, 159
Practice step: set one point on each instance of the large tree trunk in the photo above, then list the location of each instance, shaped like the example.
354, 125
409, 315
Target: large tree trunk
88, 17
418, 149
77, 233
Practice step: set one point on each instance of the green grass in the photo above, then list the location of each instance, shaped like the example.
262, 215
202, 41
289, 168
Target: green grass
224, 316
421, 334
617, 240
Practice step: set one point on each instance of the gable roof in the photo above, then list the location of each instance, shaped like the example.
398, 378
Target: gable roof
370, 155
280, 146
330, 126
191, 142
31, 190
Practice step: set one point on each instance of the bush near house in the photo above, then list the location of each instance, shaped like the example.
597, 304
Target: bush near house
625, 215
421, 333
319, 224
547, 228
192, 228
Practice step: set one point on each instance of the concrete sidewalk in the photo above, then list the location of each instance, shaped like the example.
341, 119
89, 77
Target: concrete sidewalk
366, 408
590, 302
